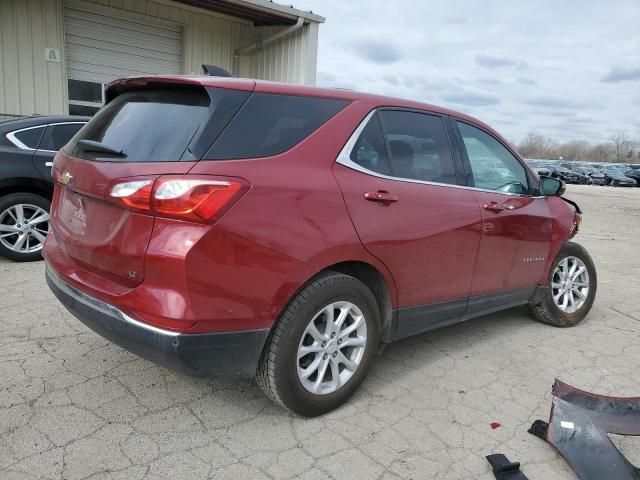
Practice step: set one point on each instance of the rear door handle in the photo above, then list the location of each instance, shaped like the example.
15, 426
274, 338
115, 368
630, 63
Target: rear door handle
381, 196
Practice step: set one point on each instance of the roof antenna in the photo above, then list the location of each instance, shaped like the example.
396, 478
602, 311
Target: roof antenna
215, 71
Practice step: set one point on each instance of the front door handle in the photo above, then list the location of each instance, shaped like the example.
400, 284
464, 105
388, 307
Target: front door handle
496, 207
381, 196
493, 207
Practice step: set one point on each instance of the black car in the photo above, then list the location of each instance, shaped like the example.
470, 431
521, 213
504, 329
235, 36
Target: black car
564, 174
616, 178
27, 148
634, 173
596, 174
583, 175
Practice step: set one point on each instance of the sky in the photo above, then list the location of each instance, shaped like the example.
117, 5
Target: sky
567, 69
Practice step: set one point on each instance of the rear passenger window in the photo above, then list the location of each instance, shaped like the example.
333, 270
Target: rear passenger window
370, 152
419, 146
272, 124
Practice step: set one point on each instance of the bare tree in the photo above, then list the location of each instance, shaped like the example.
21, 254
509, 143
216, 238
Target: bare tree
622, 147
574, 150
536, 145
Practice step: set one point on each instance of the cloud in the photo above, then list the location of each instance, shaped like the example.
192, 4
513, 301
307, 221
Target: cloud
490, 61
489, 80
377, 52
621, 74
475, 59
456, 20
553, 102
473, 99
527, 81
391, 79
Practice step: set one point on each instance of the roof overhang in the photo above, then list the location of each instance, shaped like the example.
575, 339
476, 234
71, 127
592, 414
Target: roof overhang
261, 12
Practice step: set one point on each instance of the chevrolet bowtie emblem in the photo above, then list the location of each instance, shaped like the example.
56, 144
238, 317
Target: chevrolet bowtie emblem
65, 178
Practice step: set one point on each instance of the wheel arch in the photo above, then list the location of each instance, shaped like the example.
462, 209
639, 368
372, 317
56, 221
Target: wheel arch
375, 280
26, 185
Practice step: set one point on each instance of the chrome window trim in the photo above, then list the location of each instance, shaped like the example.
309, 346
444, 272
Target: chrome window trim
11, 136
344, 159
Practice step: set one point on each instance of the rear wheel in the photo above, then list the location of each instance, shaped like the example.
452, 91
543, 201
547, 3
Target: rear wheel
24, 225
322, 346
572, 288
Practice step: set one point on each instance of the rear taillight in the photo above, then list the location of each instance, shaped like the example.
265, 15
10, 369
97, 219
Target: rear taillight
133, 194
188, 197
577, 221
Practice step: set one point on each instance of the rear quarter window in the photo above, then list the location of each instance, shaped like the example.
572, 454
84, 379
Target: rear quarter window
30, 137
271, 124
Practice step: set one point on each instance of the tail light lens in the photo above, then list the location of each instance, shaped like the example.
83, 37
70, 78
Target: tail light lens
577, 221
195, 198
133, 194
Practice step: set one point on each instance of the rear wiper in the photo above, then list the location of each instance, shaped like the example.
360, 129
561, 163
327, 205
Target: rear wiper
91, 146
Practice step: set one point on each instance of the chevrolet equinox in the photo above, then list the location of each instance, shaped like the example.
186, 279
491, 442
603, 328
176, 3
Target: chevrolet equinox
226, 226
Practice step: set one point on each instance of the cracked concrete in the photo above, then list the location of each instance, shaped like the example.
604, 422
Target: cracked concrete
74, 406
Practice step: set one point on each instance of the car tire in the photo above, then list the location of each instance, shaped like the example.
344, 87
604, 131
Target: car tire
30, 204
285, 373
550, 310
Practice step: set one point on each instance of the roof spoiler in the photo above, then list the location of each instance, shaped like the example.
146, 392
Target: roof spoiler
215, 71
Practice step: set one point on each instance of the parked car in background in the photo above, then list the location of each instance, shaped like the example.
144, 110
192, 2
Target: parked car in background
566, 175
239, 227
633, 172
616, 178
543, 171
582, 175
596, 174
27, 148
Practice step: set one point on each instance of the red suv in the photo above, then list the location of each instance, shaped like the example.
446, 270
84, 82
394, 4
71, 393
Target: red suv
239, 227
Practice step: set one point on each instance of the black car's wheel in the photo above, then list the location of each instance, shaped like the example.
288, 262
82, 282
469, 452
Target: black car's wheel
24, 225
572, 288
322, 346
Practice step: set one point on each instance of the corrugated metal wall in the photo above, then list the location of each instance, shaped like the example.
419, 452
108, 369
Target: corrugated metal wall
292, 59
208, 37
29, 84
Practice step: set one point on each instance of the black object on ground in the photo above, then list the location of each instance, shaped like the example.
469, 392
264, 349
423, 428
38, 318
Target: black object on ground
503, 469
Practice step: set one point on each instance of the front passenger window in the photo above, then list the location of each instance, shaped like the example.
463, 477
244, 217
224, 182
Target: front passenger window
492, 165
419, 146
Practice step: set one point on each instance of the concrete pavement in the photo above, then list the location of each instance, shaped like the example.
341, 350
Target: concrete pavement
74, 406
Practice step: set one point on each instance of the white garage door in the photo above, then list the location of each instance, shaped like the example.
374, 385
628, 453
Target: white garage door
103, 44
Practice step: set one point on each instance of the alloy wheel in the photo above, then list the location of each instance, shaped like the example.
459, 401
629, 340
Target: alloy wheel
24, 228
570, 284
331, 348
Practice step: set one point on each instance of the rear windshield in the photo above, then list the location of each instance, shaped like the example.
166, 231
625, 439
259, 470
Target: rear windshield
151, 125
271, 124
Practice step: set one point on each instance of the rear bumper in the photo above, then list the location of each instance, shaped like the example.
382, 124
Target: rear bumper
227, 354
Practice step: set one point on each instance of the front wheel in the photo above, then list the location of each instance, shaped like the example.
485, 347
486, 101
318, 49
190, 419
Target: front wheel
24, 225
572, 288
322, 346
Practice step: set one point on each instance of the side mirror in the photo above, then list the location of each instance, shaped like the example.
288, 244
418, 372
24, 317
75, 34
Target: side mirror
552, 187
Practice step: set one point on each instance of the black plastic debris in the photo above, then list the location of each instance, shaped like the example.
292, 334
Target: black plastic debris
503, 469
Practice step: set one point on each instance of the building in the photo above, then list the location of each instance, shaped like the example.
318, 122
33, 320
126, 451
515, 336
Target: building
56, 55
